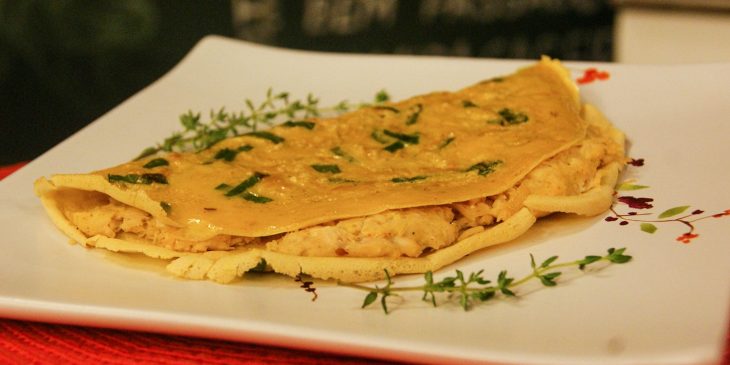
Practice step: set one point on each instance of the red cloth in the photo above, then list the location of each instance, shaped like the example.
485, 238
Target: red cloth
24, 342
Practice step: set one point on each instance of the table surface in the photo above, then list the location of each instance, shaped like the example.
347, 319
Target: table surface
25, 342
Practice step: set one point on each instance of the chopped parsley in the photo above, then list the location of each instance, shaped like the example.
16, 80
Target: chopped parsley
327, 169
145, 179
484, 167
299, 123
155, 163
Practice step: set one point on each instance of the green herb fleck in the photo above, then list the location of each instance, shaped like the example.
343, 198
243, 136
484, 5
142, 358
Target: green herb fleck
386, 107
327, 169
413, 118
299, 123
145, 179
155, 163
382, 96
468, 104
166, 207
222, 186
379, 137
246, 184
446, 142
266, 135
260, 267
395, 146
337, 151
485, 167
407, 138
509, 117
229, 155
408, 179
259, 199
339, 180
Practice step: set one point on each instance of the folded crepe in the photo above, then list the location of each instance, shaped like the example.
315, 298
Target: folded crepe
404, 187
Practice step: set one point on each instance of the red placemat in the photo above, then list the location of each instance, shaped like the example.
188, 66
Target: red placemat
23, 342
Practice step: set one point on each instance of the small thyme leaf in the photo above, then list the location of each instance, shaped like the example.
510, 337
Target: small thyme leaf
260, 267
468, 104
155, 163
382, 96
327, 169
369, 299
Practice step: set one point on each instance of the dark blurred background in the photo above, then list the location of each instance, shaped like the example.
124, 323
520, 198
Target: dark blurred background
63, 63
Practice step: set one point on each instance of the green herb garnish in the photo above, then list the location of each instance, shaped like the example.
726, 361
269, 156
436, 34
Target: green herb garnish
337, 151
145, 179
222, 186
474, 288
395, 146
484, 168
509, 117
267, 136
413, 118
166, 207
246, 184
407, 138
446, 142
468, 104
198, 135
229, 155
326, 169
408, 179
259, 199
298, 123
387, 107
155, 163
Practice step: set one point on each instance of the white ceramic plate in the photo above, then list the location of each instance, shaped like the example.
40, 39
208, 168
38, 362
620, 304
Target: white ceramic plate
669, 305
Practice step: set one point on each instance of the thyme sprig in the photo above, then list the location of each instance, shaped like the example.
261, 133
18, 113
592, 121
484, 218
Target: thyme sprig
198, 134
471, 289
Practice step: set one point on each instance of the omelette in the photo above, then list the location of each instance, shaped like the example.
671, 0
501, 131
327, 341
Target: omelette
403, 187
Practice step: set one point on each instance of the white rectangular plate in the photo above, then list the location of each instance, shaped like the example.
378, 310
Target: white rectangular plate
668, 305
